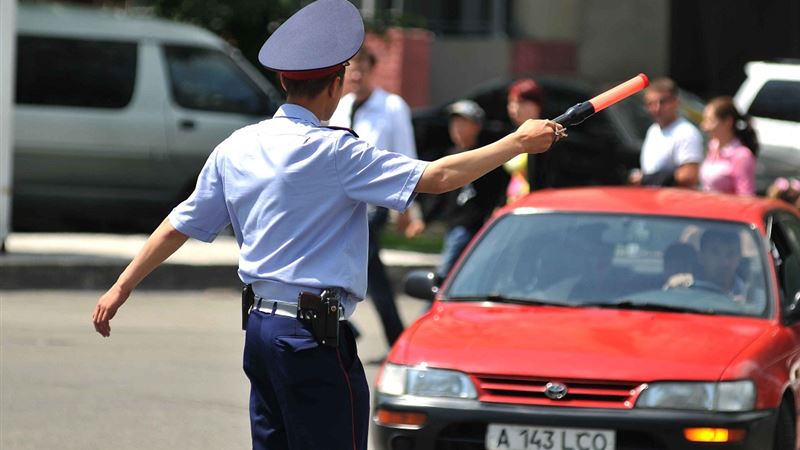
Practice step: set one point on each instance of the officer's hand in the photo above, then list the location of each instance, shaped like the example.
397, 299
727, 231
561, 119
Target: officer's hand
106, 309
414, 228
402, 221
537, 136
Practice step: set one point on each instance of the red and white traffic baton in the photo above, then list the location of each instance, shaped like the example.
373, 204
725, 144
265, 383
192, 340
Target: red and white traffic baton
584, 110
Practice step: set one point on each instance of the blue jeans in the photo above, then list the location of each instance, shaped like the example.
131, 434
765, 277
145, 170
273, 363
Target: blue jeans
455, 242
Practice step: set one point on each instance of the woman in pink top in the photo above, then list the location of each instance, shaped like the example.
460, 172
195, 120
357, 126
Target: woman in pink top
730, 165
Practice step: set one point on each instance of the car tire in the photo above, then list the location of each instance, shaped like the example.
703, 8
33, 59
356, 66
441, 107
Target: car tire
785, 429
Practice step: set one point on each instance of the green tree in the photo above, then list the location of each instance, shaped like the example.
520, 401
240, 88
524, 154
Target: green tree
243, 23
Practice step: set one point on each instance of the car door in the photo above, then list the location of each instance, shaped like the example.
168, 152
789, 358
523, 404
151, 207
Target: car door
212, 93
785, 243
84, 129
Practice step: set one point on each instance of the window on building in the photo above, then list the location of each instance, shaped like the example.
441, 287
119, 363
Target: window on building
75, 72
461, 16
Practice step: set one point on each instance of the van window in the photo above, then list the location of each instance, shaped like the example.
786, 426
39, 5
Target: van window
778, 99
75, 72
209, 80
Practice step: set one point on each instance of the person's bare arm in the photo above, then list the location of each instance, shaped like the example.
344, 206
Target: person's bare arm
687, 175
164, 241
453, 171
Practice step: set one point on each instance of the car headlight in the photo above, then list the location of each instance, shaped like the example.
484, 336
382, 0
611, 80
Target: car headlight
725, 396
422, 381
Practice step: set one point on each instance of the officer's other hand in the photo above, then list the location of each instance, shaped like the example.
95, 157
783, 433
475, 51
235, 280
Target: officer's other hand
106, 308
537, 136
414, 228
402, 221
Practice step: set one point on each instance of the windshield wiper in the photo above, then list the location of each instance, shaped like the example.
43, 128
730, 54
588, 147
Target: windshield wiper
645, 306
498, 298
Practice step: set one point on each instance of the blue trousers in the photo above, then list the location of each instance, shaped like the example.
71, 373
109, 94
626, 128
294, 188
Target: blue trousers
303, 395
379, 287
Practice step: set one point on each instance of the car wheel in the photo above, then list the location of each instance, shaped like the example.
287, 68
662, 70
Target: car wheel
784, 429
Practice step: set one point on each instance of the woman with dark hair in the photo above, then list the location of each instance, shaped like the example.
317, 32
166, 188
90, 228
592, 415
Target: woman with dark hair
525, 99
730, 164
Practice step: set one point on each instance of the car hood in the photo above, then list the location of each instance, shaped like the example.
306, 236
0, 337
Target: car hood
576, 343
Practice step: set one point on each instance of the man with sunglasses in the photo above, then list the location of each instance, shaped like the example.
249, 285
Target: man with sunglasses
673, 147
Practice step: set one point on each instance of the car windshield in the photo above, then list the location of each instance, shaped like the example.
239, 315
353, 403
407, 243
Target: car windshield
617, 261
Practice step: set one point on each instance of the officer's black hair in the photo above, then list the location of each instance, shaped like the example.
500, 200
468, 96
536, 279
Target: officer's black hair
310, 88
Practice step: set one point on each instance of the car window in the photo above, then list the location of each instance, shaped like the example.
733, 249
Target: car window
75, 72
209, 80
786, 248
777, 99
606, 259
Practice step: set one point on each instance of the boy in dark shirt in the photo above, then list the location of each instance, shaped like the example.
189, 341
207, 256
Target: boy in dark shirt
466, 209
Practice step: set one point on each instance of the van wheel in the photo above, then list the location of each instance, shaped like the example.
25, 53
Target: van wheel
784, 429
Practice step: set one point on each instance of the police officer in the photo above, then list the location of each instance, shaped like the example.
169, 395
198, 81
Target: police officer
382, 119
295, 194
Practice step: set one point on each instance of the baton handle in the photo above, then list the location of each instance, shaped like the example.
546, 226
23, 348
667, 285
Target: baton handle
584, 110
576, 114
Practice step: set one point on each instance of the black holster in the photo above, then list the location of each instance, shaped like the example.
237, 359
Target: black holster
248, 299
322, 313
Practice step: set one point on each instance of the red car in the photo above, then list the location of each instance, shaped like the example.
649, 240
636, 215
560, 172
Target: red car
607, 319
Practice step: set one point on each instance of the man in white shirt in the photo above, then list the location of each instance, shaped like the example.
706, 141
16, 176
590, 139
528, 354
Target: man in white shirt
673, 147
382, 119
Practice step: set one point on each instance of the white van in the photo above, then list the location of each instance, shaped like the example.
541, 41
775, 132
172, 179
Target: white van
116, 114
771, 95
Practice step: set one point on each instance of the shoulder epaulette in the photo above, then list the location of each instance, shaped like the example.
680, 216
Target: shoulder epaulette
343, 129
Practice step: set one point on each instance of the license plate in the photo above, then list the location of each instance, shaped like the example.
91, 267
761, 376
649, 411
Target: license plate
517, 437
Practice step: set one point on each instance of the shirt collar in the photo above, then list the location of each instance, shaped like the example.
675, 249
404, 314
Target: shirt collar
732, 143
293, 111
671, 125
374, 99
714, 145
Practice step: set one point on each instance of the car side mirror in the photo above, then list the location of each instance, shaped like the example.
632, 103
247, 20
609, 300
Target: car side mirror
421, 284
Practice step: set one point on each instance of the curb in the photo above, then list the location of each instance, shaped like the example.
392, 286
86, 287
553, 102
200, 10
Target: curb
93, 262
100, 276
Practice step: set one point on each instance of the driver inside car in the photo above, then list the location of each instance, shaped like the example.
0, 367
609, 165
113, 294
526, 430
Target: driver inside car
680, 264
719, 257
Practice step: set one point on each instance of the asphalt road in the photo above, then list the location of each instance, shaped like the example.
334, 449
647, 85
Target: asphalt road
169, 377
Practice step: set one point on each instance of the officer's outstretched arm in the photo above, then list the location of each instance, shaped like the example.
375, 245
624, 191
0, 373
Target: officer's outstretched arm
453, 171
164, 241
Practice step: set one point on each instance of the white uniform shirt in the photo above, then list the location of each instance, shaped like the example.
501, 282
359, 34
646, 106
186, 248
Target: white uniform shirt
670, 147
296, 196
384, 120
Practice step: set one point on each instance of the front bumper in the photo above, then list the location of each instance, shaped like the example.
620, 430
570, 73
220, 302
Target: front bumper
460, 424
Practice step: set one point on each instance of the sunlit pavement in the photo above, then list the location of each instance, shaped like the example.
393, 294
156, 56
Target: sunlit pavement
168, 377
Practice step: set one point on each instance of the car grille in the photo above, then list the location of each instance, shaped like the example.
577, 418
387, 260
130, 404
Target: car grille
580, 393
472, 436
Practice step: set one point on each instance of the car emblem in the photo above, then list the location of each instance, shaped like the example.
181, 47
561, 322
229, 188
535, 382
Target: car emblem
555, 391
